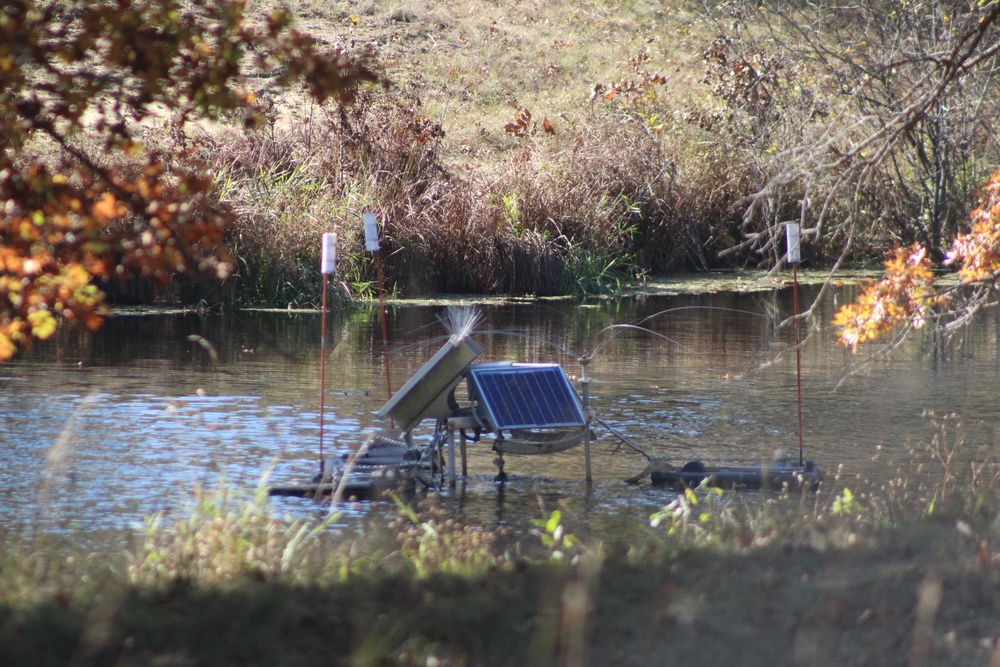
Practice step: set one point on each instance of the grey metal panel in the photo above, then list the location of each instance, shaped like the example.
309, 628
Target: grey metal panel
425, 394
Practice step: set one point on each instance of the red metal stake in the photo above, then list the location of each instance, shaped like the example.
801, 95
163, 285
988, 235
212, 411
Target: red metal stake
385, 326
322, 372
798, 352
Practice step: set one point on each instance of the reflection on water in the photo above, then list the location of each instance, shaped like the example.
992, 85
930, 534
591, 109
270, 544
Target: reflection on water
99, 430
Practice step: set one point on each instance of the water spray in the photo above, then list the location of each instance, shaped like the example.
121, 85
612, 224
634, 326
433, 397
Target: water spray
585, 359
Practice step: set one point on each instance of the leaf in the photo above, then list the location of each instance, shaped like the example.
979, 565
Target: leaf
905, 295
519, 127
978, 252
553, 523
43, 324
7, 347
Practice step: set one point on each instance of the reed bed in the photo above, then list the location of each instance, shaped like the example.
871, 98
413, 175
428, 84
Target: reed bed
571, 149
601, 206
574, 148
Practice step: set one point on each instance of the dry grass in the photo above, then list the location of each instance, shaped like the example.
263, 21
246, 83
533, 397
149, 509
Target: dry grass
731, 575
593, 192
644, 137
606, 200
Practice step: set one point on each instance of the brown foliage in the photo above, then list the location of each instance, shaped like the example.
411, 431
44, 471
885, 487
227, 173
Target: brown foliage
606, 189
88, 73
879, 121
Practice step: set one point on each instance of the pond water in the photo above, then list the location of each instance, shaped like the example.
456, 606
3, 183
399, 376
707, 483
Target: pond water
99, 430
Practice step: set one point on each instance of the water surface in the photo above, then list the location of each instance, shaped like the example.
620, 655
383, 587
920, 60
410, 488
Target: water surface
99, 430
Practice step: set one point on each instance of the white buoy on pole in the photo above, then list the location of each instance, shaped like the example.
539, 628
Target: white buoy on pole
794, 257
373, 245
328, 266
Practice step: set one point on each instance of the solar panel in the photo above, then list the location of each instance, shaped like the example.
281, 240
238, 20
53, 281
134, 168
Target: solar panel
517, 396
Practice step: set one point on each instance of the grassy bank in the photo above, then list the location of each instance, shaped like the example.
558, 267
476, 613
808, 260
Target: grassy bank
902, 571
573, 148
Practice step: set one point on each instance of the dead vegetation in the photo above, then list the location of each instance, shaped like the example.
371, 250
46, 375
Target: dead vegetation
526, 149
560, 149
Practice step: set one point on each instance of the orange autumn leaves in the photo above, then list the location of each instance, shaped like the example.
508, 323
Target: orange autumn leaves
67, 291
62, 236
81, 74
907, 294
979, 250
48, 257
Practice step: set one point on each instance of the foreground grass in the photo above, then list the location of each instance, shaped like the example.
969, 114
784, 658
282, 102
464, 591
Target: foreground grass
901, 572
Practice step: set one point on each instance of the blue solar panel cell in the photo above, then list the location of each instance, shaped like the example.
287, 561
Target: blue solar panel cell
526, 396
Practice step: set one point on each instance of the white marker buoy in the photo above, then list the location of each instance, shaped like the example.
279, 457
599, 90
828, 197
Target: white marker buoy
371, 232
373, 246
793, 258
327, 266
792, 236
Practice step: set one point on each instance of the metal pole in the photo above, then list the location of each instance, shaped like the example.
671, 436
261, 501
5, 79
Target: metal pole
798, 352
451, 457
385, 326
328, 265
322, 372
585, 383
465, 463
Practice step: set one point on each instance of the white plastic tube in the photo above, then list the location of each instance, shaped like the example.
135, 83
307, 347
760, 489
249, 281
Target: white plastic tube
328, 264
371, 232
792, 237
